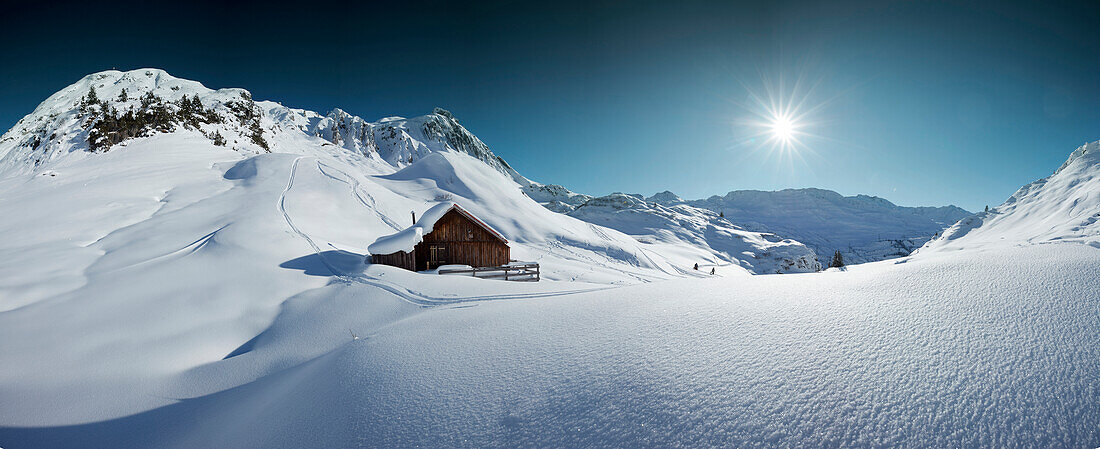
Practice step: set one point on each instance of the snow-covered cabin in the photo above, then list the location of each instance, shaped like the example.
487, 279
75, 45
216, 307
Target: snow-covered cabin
445, 234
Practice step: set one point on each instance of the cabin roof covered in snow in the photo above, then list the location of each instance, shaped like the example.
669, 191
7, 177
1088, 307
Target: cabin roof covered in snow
406, 239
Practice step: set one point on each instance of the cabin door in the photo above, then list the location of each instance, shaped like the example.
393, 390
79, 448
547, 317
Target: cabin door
437, 255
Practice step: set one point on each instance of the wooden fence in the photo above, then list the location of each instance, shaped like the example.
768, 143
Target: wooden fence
511, 272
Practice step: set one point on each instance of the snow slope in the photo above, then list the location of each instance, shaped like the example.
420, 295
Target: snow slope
1064, 206
169, 253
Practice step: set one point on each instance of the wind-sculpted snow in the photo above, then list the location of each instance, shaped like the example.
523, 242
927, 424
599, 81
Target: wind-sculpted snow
990, 349
1062, 207
958, 352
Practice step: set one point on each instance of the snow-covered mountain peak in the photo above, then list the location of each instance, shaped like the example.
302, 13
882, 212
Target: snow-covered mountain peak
665, 198
402, 141
873, 200
1087, 154
110, 108
555, 197
1061, 207
617, 201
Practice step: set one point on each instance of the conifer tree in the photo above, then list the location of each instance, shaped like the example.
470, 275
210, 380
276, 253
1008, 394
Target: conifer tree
838, 260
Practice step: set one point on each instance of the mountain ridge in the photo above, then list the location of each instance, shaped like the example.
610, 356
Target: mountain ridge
863, 228
106, 111
140, 102
1061, 207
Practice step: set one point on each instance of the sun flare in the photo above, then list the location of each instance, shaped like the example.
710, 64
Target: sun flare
783, 128
781, 119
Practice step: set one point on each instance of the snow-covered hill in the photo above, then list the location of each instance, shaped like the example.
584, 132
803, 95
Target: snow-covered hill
698, 233
1064, 206
863, 228
555, 197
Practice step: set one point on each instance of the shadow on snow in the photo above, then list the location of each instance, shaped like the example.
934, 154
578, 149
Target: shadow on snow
327, 263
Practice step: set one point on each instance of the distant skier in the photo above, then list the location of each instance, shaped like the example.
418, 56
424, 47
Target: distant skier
696, 267
712, 271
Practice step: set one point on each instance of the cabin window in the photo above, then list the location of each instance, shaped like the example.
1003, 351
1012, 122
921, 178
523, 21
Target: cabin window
469, 234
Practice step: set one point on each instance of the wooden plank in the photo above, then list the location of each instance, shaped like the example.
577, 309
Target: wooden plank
524, 272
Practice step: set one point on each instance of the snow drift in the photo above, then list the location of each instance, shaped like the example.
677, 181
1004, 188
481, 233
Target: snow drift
962, 350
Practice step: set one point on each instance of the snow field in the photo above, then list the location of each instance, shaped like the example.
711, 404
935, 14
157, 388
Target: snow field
957, 350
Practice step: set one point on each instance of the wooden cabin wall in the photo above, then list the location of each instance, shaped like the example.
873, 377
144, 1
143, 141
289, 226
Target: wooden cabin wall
453, 227
402, 259
467, 243
475, 254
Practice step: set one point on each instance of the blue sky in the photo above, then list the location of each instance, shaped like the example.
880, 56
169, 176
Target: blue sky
922, 103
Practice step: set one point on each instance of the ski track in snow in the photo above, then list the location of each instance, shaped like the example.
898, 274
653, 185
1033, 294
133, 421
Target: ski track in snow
416, 298
599, 232
566, 249
642, 251
354, 183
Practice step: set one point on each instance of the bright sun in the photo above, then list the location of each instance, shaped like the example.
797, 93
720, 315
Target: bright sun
782, 128
781, 117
